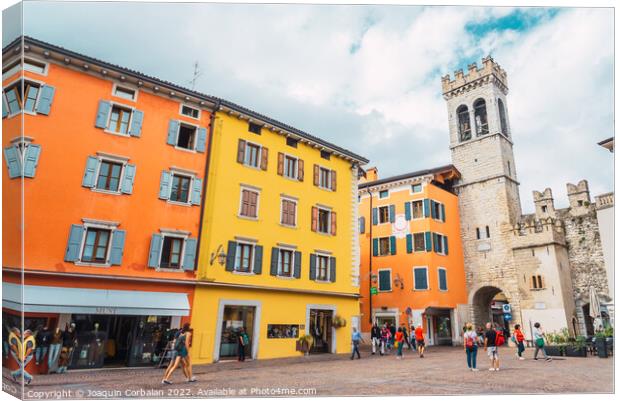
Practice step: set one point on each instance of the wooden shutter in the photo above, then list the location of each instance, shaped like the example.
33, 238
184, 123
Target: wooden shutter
375, 247
253, 203
164, 185
275, 253
230, 256
407, 210
443, 212
189, 259
315, 218
332, 269
241, 151
196, 191
312, 266
392, 245
90, 173
31, 159
45, 99
154, 251
409, 243
333, 180
244, 203
136, 123
280, 163
375, 216
173, 132
76, 232
103, 111
316, 175
13, 161
117, 247
333, 221
362, 223
392, 213
445, 245
264, 156
128, 179
428, 241
201, 139
300, 169
427, 208
258, 259
297, 265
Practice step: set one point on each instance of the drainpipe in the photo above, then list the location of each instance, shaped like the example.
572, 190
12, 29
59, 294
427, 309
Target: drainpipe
206, 178
370, 259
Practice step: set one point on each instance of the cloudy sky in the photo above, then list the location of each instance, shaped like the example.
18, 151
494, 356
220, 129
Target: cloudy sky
368, 77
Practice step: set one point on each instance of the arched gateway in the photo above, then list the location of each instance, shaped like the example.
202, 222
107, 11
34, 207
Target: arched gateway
487, 304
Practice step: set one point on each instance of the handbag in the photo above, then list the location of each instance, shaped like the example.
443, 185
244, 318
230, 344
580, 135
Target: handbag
540, 342
396, 344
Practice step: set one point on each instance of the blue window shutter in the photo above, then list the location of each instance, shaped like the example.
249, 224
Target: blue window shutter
297, 268
118, 245
128, 179
407, 210
332, 269
90, 172
196, 191
375, 216
385, 282
427, 208
201, 142
155, 250
189, 260
275, 253
5, 112
392, 213
443, 212
230, 256
421, 282
428, 241
45, 99
445, 244
173, 131
435, 242
392, 245
31, 160
375, 246
164, 185
362, 225
102, 114
75, 242
13, 161
136, 123
409, 243
312, 266
443, 282
258, 259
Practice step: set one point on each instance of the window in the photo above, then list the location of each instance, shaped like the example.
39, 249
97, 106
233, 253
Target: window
252, 155
186, 137
384, 194
385, 280
290, 167
502, 117
35, 66
125, 93
417, 209
180, 188
285, 263
420, 278
325, 178
437, 210
22, 158
477, 233
324, 221
325, 154
171, 251
254, 128
13, 97
384, 214
440, 243
579, 203
536, 282
443, 279
10, 69
289, 212
249, 203
384, 246
96, 245
480, 116
244, 257
292, 142
119, 120
463, 120
109, 177
544, 208
488, 231
322, 268
190, 111
415, 188
419, 244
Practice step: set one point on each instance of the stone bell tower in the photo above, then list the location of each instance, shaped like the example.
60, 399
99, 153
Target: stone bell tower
481, 147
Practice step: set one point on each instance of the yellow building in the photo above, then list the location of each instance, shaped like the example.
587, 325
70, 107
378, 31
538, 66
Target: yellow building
278, 246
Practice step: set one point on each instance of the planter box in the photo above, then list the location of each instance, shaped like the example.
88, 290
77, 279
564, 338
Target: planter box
574, 350
601, 347
554, 350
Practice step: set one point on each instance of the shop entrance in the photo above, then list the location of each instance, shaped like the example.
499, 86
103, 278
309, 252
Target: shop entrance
439, 326
321, 330
381, 320
236, 317
117, 340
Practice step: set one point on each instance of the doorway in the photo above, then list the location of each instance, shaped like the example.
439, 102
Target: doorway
321, 330
234, 318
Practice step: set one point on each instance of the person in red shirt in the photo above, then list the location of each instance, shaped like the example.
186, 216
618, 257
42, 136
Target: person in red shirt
399, 339
519, 339
419, 340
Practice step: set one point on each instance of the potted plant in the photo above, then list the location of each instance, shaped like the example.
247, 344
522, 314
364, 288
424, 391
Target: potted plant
576, 347
304, 344
600, 343
338, 322
554, 344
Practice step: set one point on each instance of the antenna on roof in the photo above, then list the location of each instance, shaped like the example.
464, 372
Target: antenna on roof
197, 74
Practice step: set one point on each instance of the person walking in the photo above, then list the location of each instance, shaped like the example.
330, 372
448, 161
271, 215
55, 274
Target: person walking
406, 336
539, 342
399, 340
385, 339
182, 355
412, 338
356, 338
42, 340
54, 350
490, 347
242, 341
520, 341
419, 340
470, 343
375, 338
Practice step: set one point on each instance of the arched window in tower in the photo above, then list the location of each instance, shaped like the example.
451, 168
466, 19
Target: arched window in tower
480, 115
502, 117
464, 128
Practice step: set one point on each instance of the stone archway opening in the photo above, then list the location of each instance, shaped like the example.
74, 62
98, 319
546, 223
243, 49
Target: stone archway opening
487, 307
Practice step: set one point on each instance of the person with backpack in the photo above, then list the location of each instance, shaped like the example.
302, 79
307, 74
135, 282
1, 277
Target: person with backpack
412, 338
375, 338
385, 339
519, 339
181, 344
491, 345
539, 342
419, 340
356, 338
470, 343
242, 341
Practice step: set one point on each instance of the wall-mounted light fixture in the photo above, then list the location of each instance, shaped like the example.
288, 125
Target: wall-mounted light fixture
219, 255
398, 282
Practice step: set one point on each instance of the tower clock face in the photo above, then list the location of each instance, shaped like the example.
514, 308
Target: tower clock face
400, 226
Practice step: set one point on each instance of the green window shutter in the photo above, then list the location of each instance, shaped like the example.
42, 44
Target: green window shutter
362, 225
173, 131
428, 242
155, 250
385, 280
230, 256
76, 232
275, 252
392, 245
201, 140
427, 208
297, 266
445, 244
375, 246
375, 216
435, 242
312, 266
46, 97
117, 248
5, 112
332, 269
407, 210
164, 185
189, 260
31, 160
392, 213
421, 281
258, 259
102, 114
136, 123
128, 177
409, 243
443, 280
434, 210
196, 191
443, 212
90, 173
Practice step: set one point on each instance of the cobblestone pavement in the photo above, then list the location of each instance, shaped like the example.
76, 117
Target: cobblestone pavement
442, 371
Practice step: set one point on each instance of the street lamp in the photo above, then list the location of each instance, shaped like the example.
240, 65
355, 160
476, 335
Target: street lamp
398, 281
219, 255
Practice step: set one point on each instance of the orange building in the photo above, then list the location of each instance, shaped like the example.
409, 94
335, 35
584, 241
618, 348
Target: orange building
411, 256
111, 164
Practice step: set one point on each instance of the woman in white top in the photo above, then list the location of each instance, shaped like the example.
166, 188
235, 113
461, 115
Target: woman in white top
539, 342
470, 343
